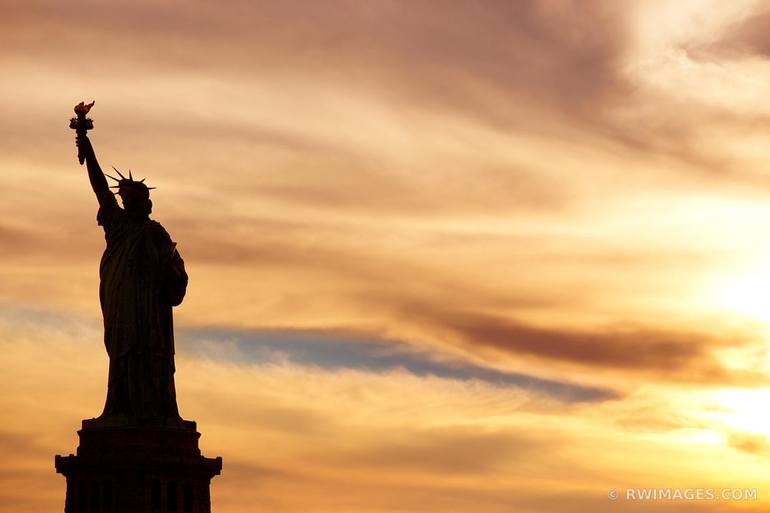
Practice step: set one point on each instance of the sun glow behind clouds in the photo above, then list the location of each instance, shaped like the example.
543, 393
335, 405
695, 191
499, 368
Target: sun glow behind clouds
745, 411
747, 294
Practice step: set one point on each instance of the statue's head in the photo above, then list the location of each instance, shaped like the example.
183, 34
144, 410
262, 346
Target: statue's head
134, 194
135, 197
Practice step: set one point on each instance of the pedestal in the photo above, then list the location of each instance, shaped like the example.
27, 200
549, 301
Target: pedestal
139, 469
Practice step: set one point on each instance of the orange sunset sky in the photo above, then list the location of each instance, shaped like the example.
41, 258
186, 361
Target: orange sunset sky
444, 256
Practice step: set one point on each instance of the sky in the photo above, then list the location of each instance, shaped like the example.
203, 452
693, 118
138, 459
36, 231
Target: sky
444, 256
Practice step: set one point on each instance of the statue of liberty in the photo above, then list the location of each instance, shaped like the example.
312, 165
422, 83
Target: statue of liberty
142, 276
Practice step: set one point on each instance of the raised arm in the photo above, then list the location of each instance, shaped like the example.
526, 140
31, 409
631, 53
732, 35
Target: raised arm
95, 175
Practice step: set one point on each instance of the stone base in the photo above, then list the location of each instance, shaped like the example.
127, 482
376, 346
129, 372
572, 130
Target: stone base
121, 469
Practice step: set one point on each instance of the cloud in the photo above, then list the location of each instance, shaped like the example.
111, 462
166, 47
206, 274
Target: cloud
751, 443
565, 71
339, 350
16, 240
449, 451
622, 348
523, 45
649, 351
741, 37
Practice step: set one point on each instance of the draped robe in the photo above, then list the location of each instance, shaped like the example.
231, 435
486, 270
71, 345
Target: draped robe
141, 277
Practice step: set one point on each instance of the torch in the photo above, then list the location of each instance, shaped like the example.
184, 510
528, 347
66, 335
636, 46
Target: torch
81, 124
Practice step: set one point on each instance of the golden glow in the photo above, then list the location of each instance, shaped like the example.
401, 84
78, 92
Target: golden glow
744, 410
747, 294
569, 195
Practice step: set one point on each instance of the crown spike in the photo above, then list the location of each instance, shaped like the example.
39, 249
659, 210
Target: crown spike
142, 180
118, 172
108, 176
129, 176
149, 188
114, 186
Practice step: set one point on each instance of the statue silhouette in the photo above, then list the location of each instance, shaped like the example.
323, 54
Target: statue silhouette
142, 276
138, 455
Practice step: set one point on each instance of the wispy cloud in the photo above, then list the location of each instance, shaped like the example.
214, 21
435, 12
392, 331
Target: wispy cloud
336, 351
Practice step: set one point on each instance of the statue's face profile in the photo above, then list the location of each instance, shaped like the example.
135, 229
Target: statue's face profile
134, 201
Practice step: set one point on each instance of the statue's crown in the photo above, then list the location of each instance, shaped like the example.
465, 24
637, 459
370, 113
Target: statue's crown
129, 182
